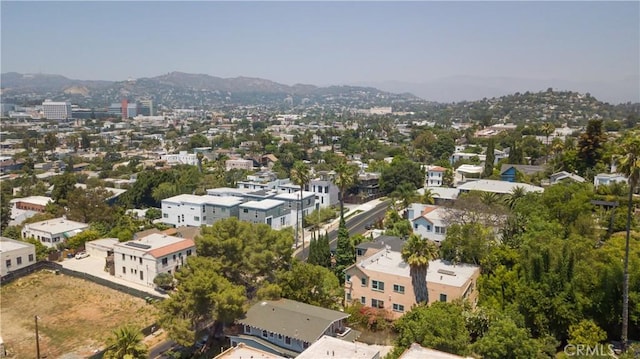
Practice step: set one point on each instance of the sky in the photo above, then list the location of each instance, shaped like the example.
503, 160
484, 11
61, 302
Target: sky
325, 43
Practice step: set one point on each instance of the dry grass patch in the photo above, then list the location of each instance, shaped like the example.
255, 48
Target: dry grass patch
75, 315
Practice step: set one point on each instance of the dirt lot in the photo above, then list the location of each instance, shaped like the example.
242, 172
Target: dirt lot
76, 316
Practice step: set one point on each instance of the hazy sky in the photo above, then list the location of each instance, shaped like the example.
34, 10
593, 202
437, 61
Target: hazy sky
324, 43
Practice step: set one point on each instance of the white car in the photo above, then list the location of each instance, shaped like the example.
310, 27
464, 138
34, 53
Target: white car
81, 255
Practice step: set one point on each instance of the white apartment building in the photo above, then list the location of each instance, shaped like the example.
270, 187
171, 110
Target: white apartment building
435, 174
142, 260
53, 231
190, 210
56, 110
238, 165
182, 158
292, 202
325, 190
15, 255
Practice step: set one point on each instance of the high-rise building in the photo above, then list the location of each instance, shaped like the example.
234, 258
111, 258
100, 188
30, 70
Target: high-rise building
124, 107
132, 110
56, 110
146, 107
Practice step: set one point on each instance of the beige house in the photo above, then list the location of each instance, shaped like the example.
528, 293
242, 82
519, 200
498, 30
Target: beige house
381, 279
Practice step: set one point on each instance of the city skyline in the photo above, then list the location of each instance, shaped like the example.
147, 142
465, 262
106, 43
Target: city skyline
590, 46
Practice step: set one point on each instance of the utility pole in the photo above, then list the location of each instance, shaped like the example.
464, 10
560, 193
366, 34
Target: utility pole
37, 339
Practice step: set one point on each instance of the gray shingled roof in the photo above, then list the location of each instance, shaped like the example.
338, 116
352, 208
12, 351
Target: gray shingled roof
290, 318
396, 243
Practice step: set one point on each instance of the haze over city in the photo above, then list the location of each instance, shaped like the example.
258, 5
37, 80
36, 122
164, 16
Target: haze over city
439, 51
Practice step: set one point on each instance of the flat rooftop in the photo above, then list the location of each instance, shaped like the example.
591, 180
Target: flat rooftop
440, 272
56, 225
294, 195
330, 347
497, 186
419, 352
244, 351
157, 244
8, 244
39, 200
263, 205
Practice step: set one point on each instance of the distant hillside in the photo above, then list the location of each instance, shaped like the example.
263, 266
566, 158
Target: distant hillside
178, 89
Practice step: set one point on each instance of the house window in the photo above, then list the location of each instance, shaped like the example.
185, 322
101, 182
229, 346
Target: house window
122, 256
30, 257
305, 345
287, 340
270, 335
440, 230
348, 297
377, 285
398, 288
377, 303
279, 336
8, 262
363, 281
415, 226
140, 260
398, 308
124, 270
19, 260
245, 210
429, 227
359, 251
196, 218
443, 297
174, 256
264, 334
363, 300
247, 329
348, 278
165, 262
165, 215
188, 252
141, 275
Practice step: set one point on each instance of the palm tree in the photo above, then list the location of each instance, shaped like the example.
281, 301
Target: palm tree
427, 196
629, 164
512, 198
405, 194
345, 178
417, 253
126, 342
300, 176
489, 198
547, 130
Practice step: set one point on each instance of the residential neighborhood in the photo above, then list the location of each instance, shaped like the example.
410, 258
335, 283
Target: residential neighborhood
313, 202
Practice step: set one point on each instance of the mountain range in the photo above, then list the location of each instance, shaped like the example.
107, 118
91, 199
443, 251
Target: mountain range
183, 89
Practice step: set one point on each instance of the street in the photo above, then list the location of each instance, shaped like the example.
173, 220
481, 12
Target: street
355, 225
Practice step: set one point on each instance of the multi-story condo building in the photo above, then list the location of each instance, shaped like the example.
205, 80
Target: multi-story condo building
15, 255
182, 158
140, 261
33, 204
326, 191
435, 174
292, 202
270, 211
381, 279
53, 231
191, 210
56, 110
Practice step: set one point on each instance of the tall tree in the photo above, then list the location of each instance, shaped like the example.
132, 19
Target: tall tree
346, 176
300, 175
401, 170
50, 141
547, 130
490, 158
630, 166
202, 295
126, 343
345, 252
417, 253
311, 284
590, 145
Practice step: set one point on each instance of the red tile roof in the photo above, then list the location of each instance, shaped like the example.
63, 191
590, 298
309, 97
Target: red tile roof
172, 248
437, 169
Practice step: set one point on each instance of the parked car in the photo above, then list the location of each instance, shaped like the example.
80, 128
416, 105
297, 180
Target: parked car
81, 255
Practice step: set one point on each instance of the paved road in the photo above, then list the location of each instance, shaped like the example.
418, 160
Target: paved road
161, 348
355, 225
